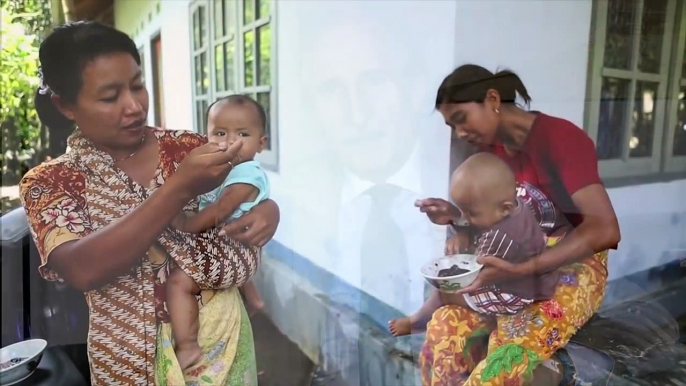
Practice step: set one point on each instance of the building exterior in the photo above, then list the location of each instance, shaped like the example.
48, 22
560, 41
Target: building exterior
349, 86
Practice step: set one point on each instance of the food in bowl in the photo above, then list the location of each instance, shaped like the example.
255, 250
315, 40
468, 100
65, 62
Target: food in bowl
452, 271
464, 267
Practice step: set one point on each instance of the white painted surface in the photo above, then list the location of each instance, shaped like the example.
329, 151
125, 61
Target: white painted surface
545, 42
652, 219
356, 83
357, 78
176, 65
140, 19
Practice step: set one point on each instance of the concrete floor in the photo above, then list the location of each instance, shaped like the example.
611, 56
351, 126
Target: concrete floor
645, 337
279, 361
645, 340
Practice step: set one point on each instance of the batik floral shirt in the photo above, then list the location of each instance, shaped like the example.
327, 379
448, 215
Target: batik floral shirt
82, 192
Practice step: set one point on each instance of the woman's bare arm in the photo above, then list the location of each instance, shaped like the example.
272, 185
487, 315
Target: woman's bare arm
97, 259
598, 231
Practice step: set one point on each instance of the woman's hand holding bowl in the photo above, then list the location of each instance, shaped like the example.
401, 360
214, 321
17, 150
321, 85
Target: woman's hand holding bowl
496, 271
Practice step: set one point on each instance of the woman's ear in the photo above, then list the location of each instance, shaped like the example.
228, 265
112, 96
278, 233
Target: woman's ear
492, 100
62, 107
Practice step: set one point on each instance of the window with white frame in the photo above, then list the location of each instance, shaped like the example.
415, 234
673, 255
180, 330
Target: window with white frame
637, 83
233, 53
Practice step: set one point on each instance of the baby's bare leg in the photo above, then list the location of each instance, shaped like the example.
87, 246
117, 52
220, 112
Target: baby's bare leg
255, 303
454, 299
183, 312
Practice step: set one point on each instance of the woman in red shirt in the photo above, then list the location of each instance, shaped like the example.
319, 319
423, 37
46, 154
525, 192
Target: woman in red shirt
557, 174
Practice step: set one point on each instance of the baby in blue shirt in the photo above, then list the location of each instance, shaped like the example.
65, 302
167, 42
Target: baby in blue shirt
229, 119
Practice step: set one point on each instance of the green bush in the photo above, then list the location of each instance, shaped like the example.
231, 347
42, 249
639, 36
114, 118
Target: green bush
23, 24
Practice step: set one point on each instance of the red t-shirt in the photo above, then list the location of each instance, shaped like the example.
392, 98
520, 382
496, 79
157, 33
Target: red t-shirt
556, 160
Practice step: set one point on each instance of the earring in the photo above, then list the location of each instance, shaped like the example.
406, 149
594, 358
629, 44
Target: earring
496, 111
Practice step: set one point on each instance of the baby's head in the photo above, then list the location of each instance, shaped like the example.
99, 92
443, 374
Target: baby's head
238, 117
484, 189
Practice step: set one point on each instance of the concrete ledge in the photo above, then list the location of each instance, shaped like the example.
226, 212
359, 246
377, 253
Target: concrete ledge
350, 349
343, 331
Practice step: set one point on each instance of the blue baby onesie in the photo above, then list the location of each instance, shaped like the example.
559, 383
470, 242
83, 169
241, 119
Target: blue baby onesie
248, 172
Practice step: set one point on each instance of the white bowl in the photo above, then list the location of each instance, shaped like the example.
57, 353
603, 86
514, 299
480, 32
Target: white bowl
451, 284
30, 350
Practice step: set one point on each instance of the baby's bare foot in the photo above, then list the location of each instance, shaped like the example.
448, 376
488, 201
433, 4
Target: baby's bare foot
400, 326
188, 355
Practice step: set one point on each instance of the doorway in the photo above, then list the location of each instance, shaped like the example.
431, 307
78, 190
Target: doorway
156, 52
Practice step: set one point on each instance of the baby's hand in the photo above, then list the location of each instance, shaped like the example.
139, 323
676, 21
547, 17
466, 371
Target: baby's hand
457, 244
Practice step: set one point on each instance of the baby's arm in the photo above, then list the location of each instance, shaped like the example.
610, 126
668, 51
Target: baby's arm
230, 199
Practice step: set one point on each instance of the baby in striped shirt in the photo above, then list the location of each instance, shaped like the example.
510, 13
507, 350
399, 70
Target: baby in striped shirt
484, 189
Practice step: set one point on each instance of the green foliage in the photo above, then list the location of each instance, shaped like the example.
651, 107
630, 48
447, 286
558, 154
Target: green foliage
35, 15
23, 23
18, 80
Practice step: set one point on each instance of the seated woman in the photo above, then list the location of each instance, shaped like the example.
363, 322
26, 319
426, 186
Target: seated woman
100, 216
556, 170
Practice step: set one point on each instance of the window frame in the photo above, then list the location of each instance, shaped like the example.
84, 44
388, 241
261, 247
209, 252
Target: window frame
672, 163
626, 166
269, 157
195, 98
157, 82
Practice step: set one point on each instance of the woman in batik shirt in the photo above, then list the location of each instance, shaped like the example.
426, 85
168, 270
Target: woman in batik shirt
100, 217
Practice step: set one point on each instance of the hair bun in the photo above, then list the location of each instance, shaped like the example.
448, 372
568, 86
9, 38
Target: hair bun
49, 114
470, 83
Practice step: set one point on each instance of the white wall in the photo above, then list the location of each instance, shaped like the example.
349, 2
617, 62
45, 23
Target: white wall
355, 88
652, 219
133, 16
545, 42
145, 19
176, 65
